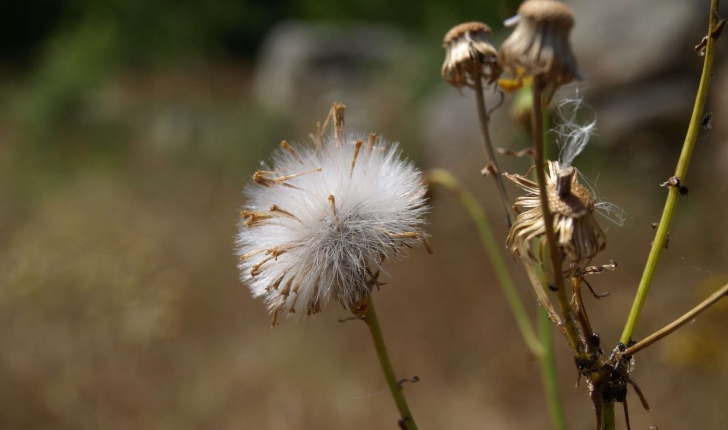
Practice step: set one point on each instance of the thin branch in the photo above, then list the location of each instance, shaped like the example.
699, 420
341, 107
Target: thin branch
538, 151
580, 309
490, 155
659, 334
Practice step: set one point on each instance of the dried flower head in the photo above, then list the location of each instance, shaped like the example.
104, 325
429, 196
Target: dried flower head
572, 206
319, 223
571, 202
540, 44
576, 123
470, 55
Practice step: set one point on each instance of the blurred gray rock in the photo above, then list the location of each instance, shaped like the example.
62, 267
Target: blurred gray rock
451, 132
618, 42
303, 68
639, 62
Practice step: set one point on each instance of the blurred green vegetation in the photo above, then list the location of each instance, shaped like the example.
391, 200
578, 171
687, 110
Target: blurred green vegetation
149, 29
55, 75
73, 47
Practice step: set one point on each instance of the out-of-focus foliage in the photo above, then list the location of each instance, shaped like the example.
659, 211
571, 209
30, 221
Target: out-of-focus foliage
78, 44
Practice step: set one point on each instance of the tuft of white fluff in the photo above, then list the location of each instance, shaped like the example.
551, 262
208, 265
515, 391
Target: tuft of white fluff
574, 133
305, 248
576, 123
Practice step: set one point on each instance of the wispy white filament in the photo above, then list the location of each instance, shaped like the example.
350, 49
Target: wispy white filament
575, 124
327, 244
608, 210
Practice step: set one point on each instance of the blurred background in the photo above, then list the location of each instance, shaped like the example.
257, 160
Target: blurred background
128, 129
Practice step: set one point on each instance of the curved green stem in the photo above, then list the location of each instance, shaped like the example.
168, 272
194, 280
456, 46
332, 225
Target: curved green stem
680, 172
370, 318
444, 178
549, 375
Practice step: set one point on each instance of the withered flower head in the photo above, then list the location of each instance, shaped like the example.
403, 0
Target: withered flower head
540, 44
470, 55
572, 205
321, 220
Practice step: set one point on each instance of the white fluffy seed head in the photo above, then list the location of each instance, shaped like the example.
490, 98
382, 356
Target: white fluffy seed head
305, 240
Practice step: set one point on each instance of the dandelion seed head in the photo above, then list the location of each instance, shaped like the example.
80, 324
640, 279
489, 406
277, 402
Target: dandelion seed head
319, 223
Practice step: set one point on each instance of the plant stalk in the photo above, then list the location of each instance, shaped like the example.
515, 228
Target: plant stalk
538, 156
680, 172
607, 421
406, 422
444, 178
548, 373
659, 334
548, 362
487, 143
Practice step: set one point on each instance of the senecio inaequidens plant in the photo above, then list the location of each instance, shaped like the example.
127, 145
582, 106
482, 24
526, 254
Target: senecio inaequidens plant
322, 219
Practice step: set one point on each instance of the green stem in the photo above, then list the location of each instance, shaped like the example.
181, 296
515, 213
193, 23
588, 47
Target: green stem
539, 161
673, 194
549, 375
444, 178
607, 415
649, 340
407, 421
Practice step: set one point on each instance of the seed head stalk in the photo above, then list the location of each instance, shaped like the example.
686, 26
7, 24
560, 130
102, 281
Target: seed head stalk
607, 421
538, 156
680, 172
406, 422
548, 372
487, 143
549, 376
